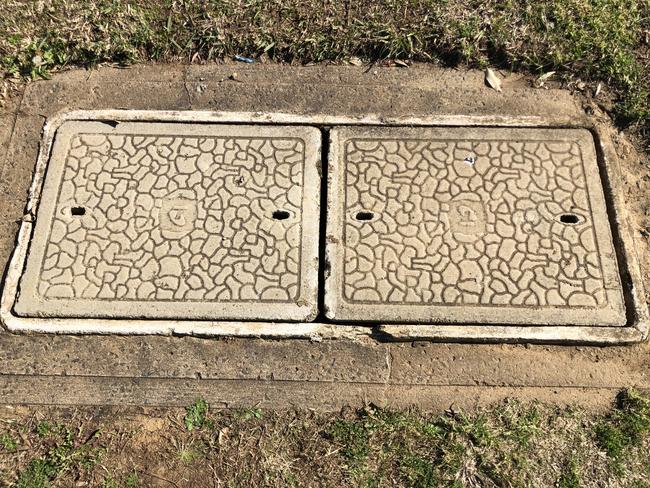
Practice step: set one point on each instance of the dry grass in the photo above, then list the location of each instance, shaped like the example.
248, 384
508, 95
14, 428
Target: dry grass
508, 445
590, 40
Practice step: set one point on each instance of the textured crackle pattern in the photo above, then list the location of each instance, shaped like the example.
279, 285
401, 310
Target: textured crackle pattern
170, 218
487, 222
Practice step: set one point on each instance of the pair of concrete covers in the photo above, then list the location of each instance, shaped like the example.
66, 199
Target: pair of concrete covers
464, 231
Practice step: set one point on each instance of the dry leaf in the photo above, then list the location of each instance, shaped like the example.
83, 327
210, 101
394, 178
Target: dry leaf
223, 436
598, 88
403, 64
492, 80
356, 61
544, 77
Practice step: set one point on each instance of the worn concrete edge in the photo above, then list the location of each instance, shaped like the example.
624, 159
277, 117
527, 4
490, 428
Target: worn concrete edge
324, 396
623, 234
636, 331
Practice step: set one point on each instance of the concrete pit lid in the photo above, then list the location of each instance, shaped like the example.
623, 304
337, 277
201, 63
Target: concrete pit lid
177, 221
469, 226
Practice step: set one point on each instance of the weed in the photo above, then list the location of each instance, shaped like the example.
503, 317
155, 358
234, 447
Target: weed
132, 480
188, 452
353, 437
195, 414
43, 429
64, 453
8, 443
38, 474
570, 477
251, 413
109, 482
418, 471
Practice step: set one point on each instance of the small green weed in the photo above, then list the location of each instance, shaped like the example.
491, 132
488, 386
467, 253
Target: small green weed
38, 474
38, 60
188, 451
109, 482
570, 477
195, 414
251, 413
132, 480
187, 456
418, 471
8, 443
353, 437
43, 429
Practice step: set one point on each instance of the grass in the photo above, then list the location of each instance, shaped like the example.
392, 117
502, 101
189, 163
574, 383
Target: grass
587, 40
61, 452
625, 427
510, 444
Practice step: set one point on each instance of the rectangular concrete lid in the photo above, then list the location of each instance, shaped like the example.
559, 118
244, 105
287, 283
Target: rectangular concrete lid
469, 225
177, 220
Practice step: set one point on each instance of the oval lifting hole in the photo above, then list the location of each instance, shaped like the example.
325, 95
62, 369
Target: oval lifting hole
569, 218
280, 215
77, 211
364, 216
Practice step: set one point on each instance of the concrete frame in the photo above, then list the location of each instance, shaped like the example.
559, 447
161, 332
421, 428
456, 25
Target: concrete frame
637, 313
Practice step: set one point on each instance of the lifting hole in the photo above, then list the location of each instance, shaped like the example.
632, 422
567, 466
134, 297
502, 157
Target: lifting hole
281, 215
364, 216
78, 211
569, 218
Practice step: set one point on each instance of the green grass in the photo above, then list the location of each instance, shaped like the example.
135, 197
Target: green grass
510, 444
63, 453
591, 40
625, 428
132, 480
570, 477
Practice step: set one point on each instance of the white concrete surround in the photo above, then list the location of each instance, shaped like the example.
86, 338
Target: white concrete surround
635, 329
